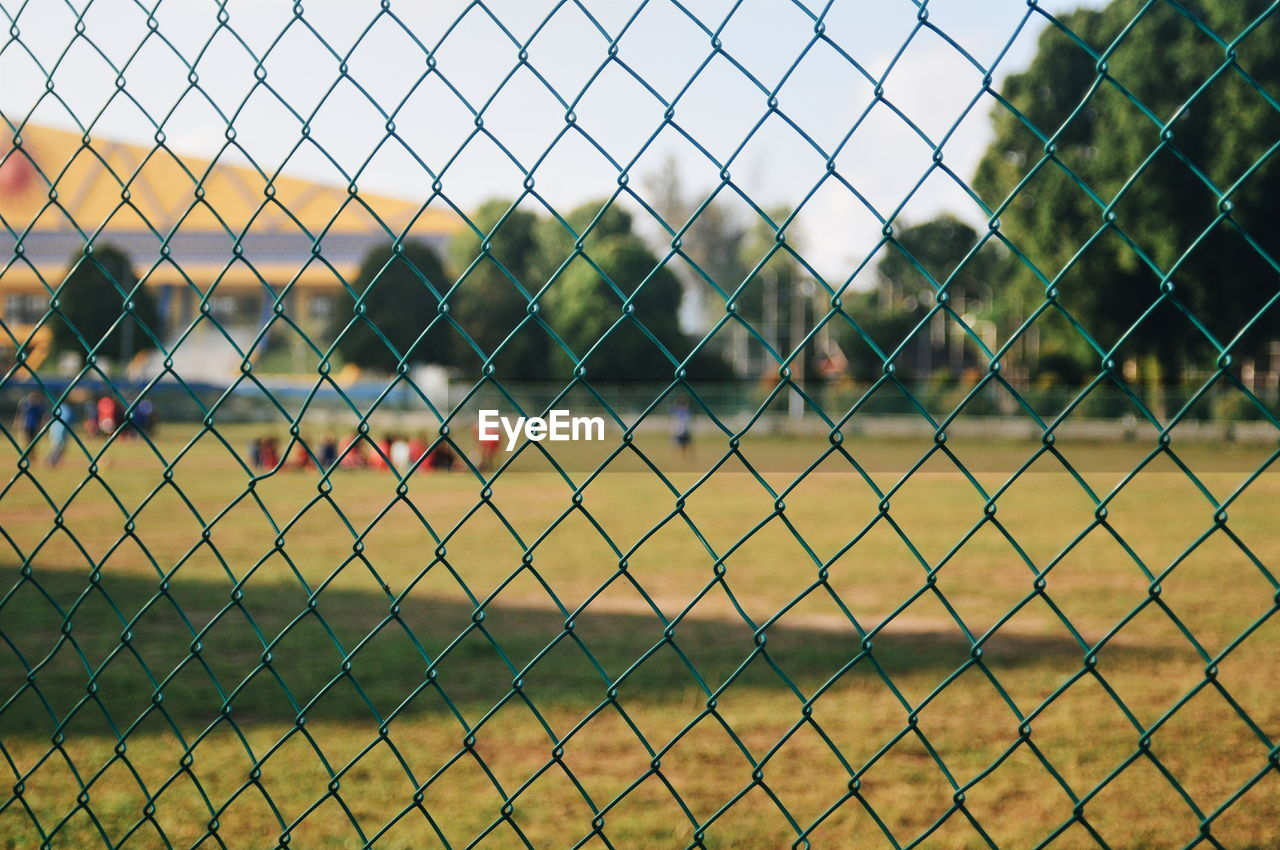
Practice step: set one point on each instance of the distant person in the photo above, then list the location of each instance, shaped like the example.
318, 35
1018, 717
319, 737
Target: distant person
129, 423
268, 454
126, 421
418, 450
143, 416
30, 416
488, 451
64, 416
300, 458
353, 454
328, 452
90, 417
442, 459
255, 453
682, 426
382, 450
401, 456
108, 415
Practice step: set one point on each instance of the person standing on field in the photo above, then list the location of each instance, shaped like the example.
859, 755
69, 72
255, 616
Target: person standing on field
144, 417
380, 457
108, 416
488, 451
268, 454
328, 452
418, 451
401, 456
64, 416
682, 426
90, 416
30, 417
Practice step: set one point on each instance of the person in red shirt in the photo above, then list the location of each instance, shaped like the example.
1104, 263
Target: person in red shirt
378, 458
352, 453
268, 454
488, 451
300, 457
108, 415
418, 448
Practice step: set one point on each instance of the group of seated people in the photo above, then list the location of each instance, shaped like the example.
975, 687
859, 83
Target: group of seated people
391, 452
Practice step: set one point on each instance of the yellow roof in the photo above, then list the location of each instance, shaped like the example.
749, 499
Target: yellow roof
57, 188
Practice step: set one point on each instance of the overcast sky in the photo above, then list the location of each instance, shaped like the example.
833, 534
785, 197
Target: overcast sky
824, 94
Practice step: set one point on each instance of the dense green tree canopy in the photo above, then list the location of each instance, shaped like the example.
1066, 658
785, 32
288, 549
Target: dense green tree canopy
588, 300
98, 288
1143, 160
880, 320
400, 302
592, 222
500, 272
928, 255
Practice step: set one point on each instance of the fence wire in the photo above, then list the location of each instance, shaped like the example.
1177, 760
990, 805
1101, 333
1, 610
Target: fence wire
70, 630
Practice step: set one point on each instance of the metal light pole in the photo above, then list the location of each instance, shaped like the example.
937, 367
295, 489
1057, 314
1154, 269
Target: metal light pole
799, 320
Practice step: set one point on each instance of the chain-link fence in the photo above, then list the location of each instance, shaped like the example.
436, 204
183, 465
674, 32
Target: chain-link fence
937, 351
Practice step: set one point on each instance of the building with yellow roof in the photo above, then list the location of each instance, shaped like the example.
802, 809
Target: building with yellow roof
193, 228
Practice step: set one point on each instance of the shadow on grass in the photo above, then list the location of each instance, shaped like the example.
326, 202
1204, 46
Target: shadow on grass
129, 651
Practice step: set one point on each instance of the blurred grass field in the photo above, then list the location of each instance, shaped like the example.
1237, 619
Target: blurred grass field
510, 684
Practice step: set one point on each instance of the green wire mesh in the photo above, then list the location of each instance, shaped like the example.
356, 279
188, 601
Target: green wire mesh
138, 654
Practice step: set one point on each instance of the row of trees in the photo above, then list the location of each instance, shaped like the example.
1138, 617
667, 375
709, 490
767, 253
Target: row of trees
399, 318
1157, 185
612, 304
1169, 164
1143, 203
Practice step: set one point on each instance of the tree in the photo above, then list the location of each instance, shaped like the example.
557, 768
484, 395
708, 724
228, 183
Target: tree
776, 300
929, 254
588, 300
885, 322
1107, 142
922, 258
591, 222
400, 292
99, 292
713, 241
500, 276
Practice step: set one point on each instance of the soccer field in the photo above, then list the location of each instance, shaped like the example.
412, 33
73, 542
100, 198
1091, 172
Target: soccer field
739, 666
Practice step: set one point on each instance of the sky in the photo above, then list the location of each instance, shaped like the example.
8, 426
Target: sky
664, 59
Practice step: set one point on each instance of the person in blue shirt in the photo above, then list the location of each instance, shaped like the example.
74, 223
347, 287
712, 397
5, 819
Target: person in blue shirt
328, 453
682, 426
64, 416
30, 416
142, 415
